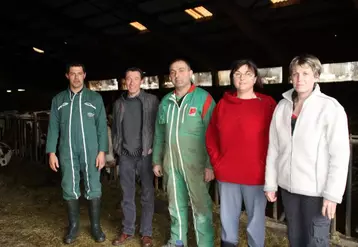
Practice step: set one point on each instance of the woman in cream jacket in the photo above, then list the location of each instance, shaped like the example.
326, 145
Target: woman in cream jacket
308, 155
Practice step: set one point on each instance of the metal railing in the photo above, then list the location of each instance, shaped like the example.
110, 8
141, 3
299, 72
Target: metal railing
348, 225
23, 133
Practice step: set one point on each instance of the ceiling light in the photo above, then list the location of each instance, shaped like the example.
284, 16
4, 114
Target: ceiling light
21, 90
203, 11
199, 12
138, 26
38, 50
8, 91
284, 3
193, 14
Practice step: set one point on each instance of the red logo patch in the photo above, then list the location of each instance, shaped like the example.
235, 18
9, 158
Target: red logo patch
192, 111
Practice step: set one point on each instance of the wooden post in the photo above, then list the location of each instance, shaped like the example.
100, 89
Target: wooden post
348, 226
216, 191
6, 123
30, 140
35, 135
156, 182
334, 225
163, 185
274, 214
16, 136
22, 138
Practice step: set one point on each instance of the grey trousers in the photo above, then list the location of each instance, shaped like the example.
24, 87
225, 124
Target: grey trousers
231, 198
129, 167
307, 227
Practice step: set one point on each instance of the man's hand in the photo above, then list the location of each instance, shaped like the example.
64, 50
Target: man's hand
271, 196
208, 175
53, 161
157, 169
100, 160
329, 208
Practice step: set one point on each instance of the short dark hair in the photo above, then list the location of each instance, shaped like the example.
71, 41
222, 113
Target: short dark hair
135, 69
75, 64
252, 66
180, 60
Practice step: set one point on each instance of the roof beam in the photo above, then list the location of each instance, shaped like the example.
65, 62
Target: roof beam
66, 22
98, 40
355, 3
243, 21
103, 11
165, 34
159, 30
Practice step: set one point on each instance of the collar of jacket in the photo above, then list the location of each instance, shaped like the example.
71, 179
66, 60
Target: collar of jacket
288, 94
191, 89
140, 96
82, 91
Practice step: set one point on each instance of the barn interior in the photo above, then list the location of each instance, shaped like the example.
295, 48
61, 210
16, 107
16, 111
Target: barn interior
40, 37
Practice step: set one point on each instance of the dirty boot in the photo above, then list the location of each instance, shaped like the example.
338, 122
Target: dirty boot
94, 215
227, 244
73, 207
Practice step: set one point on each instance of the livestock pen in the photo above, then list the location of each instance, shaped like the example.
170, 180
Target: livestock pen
34, 213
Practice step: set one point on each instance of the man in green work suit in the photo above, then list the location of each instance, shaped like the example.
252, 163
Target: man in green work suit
78, 120
179, 151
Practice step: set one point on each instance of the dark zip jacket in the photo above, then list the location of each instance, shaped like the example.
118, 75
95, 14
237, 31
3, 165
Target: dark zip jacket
150, 105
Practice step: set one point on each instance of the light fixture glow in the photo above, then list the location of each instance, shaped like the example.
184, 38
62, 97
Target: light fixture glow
138, 26
284, 3
203, 11
199, 12
21, 90
38, 50
193, 14
8, 91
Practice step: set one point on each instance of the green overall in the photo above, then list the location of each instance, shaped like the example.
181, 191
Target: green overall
179, 147
79, 121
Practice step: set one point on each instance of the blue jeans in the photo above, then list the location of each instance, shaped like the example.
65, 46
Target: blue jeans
231, 198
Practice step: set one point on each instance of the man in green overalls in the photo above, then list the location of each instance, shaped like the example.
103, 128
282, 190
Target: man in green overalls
78, 120
179, 151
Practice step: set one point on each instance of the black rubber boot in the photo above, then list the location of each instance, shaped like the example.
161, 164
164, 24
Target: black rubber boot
73, 208
227, 244
94, 215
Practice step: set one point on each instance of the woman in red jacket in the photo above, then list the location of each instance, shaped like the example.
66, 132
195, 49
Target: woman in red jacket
237, 142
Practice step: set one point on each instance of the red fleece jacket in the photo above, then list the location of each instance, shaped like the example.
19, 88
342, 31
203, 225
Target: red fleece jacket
237, 138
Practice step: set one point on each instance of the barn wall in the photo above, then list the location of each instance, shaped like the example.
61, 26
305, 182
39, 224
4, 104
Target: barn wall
344, 92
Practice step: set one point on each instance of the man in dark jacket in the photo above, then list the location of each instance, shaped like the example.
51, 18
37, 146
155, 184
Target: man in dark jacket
78, 124
133, 124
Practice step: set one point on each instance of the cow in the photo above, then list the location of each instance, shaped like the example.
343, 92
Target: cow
5, 154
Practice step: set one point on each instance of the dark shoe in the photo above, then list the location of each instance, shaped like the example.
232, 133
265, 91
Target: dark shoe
121, 239
73, 208
147, 241
227, 244
94, 211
